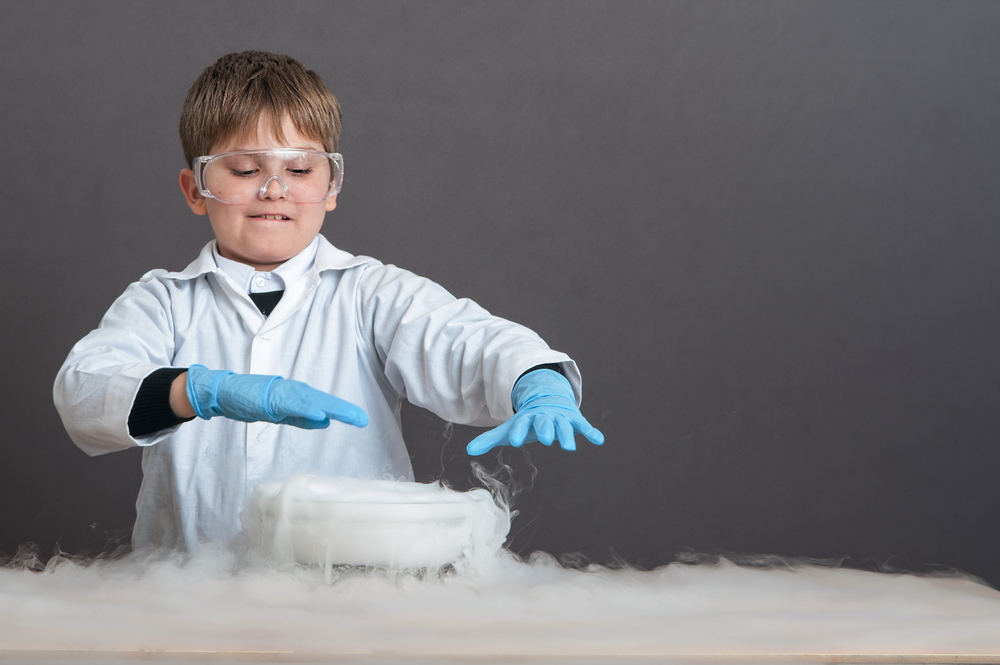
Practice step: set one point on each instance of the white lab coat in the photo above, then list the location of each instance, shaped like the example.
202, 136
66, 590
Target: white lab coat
367, 332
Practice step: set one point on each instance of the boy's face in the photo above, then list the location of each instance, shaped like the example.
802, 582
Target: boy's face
267, 232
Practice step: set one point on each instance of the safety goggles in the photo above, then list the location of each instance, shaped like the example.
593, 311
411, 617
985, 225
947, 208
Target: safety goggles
300, 176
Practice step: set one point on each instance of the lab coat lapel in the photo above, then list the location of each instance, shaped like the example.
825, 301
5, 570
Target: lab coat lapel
240, 301
205, 265
292, 300
298, 294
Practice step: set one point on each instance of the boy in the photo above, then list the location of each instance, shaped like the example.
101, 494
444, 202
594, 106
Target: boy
190, 364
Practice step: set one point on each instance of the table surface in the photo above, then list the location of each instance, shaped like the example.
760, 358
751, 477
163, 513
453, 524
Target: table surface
206, 609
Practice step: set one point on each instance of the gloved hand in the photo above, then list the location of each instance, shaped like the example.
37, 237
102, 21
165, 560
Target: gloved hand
253, 397
545, 410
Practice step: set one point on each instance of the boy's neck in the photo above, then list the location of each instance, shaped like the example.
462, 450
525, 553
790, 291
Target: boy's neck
284, 274
259, 267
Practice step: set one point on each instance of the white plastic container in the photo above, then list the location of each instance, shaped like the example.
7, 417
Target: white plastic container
374, 523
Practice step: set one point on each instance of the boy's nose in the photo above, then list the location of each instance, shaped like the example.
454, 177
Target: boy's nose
278, 191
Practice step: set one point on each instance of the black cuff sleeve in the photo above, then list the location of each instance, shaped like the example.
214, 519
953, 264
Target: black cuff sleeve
151, 410
555, 367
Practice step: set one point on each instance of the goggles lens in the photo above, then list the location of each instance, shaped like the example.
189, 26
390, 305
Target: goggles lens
301, 176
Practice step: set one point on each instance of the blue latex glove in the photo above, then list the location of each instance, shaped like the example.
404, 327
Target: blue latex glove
545, 410
253, 397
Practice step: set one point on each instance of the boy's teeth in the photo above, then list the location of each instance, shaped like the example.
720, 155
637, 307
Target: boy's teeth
272, 216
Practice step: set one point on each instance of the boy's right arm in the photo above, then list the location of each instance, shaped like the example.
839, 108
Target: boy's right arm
171, 396
96, 389
96, 386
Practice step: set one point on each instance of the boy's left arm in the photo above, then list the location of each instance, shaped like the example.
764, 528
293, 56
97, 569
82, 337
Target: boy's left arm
454, 358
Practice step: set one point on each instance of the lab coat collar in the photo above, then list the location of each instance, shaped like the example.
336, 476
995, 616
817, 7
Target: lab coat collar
278, 279
328, 257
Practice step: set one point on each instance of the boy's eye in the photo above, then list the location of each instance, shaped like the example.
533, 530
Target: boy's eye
244, 174
300, 172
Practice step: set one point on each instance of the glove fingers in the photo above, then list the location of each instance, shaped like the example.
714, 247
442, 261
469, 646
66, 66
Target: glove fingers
344, 411
293, 399
488, 440
567, 437
544, 429
301, 401
591, 433
546, 411
306, 423
291, 412
520, 427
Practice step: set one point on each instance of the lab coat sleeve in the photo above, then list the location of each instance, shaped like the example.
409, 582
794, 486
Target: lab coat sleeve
444, 354
97, 384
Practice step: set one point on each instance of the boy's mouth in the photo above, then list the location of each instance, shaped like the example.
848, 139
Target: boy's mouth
272, 217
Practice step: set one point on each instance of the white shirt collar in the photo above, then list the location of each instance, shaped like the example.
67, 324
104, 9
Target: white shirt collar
327, 257
256, 281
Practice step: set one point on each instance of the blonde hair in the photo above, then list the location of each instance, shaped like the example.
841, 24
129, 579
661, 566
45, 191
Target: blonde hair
230, 97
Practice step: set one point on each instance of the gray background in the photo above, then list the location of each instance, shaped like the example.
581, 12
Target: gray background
767, 231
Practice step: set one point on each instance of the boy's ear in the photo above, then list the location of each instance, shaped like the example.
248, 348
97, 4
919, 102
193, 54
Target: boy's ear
331, 203
194, 198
